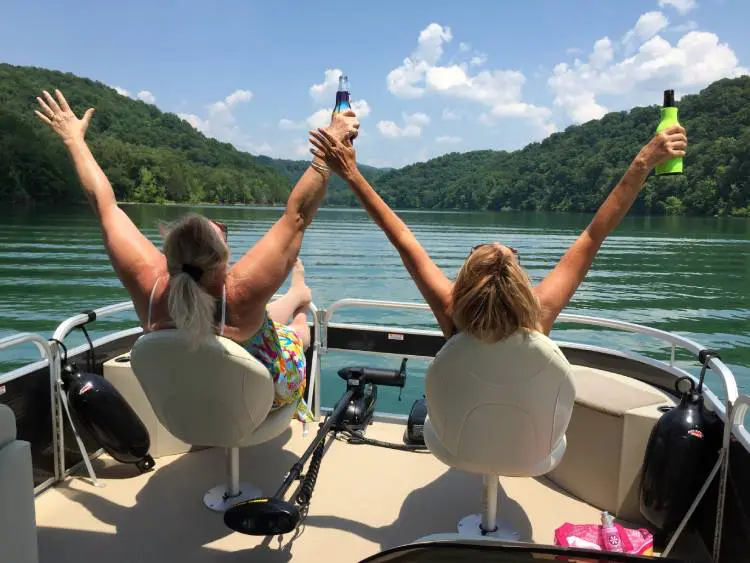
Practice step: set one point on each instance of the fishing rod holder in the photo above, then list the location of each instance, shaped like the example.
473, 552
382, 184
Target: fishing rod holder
270, 516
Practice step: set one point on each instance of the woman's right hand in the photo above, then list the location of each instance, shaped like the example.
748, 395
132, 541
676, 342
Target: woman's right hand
61, 119
338, 155
665, 145
344, 125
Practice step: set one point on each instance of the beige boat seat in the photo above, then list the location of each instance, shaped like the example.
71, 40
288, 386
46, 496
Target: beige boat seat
498, 409
607, 437
18, 538
215, 394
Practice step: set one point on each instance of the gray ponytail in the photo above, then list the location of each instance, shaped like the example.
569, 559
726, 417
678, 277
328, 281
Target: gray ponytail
193, 244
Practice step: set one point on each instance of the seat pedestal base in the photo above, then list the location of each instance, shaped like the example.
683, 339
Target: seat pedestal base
471, 526
217, 500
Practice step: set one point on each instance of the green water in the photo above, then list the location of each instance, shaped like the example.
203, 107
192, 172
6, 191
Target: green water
686, 275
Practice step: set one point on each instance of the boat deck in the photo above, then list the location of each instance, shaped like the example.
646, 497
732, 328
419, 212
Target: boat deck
367, 499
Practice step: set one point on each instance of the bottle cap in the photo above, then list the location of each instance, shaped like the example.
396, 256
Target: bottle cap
668, 98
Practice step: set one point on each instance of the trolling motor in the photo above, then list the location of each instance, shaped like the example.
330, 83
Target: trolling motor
269, 516
99, 407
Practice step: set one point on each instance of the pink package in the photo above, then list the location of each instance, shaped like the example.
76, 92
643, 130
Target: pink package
589, 536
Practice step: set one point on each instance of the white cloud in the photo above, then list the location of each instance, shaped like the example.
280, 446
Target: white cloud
602, 53
221, 124
450, 115
574, 51
322, 117
648, 25
478, 60
326, 89
361, 108
500, 90
682, 6
464, 47
263, 148
143, 95
689, 25
238, 96
448, 139
146, 96
301, 148
224, 107
289, 125
197, 123
695, 60
412, 126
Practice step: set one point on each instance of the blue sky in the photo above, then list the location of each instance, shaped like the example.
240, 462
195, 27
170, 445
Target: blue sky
428, 77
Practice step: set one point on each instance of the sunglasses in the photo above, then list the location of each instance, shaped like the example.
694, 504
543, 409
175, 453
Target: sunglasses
223, 228
513, 250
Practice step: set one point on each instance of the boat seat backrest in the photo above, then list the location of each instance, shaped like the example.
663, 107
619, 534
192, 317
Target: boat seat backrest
500, 408
18, 535
215, 394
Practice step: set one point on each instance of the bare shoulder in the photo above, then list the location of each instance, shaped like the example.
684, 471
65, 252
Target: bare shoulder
245, 312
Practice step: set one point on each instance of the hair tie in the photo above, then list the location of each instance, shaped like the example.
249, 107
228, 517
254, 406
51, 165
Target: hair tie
194, 272
502, 264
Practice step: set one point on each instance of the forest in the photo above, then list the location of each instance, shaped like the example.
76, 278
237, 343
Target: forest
574, 170
154, 156
148, 155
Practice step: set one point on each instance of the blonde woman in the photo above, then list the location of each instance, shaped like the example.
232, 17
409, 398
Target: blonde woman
492, 296
190, 285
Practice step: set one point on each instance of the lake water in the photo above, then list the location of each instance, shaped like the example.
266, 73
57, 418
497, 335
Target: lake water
690, 276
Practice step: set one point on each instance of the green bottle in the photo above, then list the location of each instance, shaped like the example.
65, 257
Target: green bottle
668, 119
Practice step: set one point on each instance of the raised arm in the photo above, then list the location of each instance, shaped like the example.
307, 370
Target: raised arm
558, 287
137, 262
431, 281
254, 279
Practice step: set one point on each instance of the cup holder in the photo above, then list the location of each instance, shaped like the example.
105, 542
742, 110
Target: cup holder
123, 359
665, 408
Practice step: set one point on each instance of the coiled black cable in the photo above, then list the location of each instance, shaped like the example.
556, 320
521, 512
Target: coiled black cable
308, 482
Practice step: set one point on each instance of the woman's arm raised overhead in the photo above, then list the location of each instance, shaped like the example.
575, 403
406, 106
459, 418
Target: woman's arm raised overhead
254, 279
558, 287
137, 262
431, 281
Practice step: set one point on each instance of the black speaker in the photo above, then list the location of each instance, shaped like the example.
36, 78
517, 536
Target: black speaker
415, 424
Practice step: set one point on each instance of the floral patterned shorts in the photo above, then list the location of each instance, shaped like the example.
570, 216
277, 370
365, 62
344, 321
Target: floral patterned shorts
282, 351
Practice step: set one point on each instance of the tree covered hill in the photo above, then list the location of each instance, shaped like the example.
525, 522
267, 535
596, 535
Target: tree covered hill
339, 193
152, 156
147, 154
574, 170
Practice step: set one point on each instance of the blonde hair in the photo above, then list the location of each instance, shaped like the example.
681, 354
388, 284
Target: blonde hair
492, 296
193, 244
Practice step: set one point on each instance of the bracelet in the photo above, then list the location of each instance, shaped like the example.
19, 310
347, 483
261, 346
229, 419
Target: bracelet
322, 168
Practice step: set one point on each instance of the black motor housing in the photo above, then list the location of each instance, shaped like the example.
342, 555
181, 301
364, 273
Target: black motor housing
679, 456
100, 408
414, 433
359, 411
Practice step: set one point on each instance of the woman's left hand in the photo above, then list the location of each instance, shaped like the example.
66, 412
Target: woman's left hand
61, 119
339, 156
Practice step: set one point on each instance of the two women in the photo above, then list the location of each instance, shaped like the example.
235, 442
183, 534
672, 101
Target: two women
190, 284
492, 296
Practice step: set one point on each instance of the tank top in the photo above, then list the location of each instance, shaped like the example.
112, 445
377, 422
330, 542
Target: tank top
220, 316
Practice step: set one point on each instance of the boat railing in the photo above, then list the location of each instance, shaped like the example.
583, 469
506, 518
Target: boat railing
44, 349
729, 384
322, 322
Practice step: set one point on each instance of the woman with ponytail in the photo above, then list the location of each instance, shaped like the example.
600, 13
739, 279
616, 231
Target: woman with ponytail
190, 285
